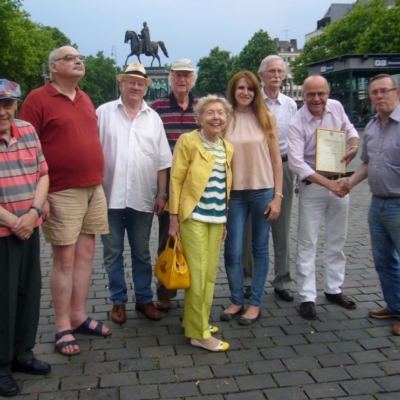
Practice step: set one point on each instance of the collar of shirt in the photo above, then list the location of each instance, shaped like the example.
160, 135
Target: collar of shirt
174, 103
143, 108
395, 115
309, 117
268, 100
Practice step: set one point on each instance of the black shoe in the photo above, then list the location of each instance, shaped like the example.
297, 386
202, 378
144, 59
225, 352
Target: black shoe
285, 294
248, 321
224, 316
8, 386
31, 367
307, 310
247, 292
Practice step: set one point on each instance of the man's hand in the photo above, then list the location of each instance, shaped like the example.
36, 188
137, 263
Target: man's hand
24, 225
159, 205
340, 188
350, 155
273, 209
46, 211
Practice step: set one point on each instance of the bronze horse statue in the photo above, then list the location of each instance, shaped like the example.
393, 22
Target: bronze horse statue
135, 48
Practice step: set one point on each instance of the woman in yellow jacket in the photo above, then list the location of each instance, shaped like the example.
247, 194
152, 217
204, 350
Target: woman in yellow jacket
201, 180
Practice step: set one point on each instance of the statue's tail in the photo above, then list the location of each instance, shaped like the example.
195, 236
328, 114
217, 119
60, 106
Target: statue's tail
163, 48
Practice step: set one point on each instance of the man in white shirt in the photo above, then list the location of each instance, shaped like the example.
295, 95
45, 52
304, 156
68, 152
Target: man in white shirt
137, 156
321, 195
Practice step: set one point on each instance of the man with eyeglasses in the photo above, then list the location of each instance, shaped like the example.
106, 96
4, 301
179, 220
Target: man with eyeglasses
177, 115
65, 120
137, 156
381, 165
272, 73
321, 196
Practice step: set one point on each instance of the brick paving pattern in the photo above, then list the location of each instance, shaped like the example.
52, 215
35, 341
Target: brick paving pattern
342, 355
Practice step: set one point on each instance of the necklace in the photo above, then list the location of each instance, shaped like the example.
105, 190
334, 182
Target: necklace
211, 144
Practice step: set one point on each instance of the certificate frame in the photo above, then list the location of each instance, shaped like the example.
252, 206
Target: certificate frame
330, 148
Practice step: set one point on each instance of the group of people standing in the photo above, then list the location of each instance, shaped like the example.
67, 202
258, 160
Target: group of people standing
210, 168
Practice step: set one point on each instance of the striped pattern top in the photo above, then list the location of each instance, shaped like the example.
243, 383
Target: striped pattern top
175, 119
21, 165
212, 205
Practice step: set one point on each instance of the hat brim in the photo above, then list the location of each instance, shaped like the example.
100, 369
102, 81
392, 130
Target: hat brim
183, 69
148, 81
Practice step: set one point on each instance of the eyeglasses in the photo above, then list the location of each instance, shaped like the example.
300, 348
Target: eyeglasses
311, 95
71, 57
384, 91
275, 71
134, 83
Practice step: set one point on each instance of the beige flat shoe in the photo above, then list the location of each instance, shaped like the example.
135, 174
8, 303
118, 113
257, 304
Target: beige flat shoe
221, 346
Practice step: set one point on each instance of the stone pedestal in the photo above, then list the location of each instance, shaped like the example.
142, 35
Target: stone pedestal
160, 86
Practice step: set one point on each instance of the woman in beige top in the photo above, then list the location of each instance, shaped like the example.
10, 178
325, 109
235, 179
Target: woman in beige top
256, 190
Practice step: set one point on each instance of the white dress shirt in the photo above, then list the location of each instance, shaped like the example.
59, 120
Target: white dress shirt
134, 151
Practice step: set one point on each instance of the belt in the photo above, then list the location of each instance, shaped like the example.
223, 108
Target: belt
332, 177
284, 158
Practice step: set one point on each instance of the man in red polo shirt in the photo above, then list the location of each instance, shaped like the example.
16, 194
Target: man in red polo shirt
23, 188
66, 123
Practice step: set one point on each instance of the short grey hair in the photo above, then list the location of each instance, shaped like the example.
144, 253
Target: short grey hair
264, 63
194, 78
382, 76
211, 98
52, 56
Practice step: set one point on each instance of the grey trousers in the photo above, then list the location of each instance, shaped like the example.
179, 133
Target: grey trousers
280, 237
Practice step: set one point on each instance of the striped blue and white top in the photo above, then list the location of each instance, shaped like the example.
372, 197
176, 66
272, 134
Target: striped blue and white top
212, 205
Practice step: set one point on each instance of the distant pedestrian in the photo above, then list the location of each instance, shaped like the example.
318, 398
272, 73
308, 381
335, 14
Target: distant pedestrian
23, 189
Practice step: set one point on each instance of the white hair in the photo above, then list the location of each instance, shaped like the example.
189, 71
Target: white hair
52, 56
194, 78
264, 63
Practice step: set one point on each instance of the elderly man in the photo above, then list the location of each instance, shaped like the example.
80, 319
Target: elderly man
177, 115
321, 195
272, 73
137, 156
381, 164
65, 120
23, 188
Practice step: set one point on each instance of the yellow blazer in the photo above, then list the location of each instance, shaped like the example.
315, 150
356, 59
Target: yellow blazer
190, 172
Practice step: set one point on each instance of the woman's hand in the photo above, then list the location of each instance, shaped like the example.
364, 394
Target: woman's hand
224, 233
273, 209
173, 230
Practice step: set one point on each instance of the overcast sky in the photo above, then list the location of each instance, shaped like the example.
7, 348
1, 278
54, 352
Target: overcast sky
189, 28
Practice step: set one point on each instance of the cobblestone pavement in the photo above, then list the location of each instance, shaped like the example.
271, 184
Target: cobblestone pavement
343, 354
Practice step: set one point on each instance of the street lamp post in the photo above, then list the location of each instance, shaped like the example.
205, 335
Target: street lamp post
114, 53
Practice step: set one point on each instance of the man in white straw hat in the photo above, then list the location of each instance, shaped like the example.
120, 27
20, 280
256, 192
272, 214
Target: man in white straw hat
137, 156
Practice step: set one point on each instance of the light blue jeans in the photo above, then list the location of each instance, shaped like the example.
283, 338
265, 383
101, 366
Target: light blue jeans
241, 204
384, 226
138, 227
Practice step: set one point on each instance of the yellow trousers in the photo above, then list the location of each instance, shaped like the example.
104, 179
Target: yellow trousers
201, 245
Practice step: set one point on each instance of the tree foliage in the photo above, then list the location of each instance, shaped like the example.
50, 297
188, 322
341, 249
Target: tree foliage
257, 48
369, 28
214, 72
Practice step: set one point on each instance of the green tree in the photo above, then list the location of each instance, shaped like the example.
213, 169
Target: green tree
214, 72
100, 79
257, 48
369, 28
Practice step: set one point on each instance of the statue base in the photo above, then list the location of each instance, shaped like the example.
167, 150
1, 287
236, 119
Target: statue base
160, 86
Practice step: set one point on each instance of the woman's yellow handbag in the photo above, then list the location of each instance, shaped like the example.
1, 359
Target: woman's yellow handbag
171, 268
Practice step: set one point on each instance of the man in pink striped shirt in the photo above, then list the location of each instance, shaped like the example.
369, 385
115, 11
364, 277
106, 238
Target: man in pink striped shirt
23, 189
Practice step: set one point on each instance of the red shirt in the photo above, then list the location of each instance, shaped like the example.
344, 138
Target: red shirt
68, 132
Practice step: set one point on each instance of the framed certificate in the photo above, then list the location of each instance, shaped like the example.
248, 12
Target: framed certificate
331, 147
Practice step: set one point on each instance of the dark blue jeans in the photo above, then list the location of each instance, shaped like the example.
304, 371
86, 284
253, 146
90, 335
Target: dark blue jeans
241, 204
138, 227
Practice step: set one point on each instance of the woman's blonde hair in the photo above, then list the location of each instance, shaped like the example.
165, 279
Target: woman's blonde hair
260, 109
203, 102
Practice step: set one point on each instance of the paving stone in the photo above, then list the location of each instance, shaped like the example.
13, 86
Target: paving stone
392, 353
236, 369
176, 361
332, 374
253, 395
368, 356
119, 354
99, 394
364, 371
292, 378
321, 337
138, 365
289, 340
292, 393
142, 392
64, 395
159, 376
159, 351
278, 352
362, 397
262, 367
254, 382
210, 358
390, 367
375, 343
197, 373
333, 360
244, 355
109, 343
79, 382
344, 347
260, 343
101, 367
389, 383
66, 370
118, 379
323, 390
300, 363
214, 386
311, 349
40, 385
178, 390
362, 386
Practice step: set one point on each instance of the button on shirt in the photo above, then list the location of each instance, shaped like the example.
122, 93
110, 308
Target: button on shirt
284, 108
134, 151
302, 136
381, 150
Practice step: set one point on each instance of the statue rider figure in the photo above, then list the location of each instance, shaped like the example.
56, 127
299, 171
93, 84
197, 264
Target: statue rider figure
145, 45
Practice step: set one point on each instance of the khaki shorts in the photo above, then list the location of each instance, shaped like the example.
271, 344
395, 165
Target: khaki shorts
75, 211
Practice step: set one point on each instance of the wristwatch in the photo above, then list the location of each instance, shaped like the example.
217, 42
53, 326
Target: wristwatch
37, 209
